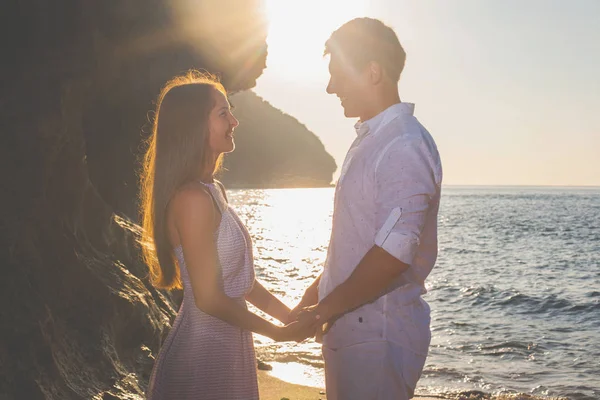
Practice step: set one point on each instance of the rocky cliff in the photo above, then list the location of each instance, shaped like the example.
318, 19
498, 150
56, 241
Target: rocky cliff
78, 319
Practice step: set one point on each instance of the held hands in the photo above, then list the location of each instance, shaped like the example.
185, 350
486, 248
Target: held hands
310, 298
293, 316
303, 323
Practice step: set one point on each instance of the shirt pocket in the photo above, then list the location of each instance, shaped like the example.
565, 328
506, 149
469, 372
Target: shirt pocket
409, 325
365, 324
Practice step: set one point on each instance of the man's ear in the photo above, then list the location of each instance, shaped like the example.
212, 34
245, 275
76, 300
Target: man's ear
375, 72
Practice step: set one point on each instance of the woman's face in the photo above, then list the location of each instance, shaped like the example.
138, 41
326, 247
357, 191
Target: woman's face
221, 124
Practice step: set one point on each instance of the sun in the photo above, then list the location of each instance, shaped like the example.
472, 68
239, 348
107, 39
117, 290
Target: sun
298, 30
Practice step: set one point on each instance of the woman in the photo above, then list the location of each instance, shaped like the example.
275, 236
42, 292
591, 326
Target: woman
195, 241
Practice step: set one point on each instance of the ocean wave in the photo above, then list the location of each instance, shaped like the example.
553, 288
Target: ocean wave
491, 296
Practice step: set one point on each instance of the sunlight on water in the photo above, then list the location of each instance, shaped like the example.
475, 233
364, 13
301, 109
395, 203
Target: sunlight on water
290, 229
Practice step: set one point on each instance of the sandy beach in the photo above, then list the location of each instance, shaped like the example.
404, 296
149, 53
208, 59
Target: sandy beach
272, 388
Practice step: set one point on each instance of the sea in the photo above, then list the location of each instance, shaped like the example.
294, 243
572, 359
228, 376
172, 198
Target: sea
515, 293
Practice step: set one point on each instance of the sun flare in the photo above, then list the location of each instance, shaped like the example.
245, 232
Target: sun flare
298, 31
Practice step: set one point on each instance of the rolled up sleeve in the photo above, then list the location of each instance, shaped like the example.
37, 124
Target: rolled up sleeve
405, 185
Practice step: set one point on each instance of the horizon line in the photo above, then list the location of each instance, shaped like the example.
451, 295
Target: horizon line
452, 185
522, 185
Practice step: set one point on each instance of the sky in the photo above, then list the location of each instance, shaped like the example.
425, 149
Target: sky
510, 90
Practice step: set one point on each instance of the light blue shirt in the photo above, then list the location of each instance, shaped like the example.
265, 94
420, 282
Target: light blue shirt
387, 195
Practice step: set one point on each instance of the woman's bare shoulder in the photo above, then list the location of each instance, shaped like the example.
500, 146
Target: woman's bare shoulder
192, 200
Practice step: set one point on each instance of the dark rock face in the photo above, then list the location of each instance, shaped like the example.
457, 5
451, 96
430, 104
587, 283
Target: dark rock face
78, 318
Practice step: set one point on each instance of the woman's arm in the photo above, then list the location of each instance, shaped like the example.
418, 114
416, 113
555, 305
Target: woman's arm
194, 220
267, 302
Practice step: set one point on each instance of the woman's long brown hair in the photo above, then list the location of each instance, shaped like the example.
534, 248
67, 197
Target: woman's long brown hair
176, 153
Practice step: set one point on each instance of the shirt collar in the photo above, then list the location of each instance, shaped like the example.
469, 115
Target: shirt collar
381, 119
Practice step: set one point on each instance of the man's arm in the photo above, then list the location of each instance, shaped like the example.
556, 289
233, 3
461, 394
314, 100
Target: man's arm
405, 185
373, 275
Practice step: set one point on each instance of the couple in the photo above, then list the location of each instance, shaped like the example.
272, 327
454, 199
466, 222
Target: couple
366, 307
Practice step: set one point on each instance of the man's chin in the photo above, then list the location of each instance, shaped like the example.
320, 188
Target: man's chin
350, 113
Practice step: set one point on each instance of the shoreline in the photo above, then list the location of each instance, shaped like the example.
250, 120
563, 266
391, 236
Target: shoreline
272, 388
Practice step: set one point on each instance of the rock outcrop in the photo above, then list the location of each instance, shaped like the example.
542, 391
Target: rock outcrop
273, 149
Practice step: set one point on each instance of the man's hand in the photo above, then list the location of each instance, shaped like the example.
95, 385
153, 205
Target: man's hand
310, 298
311, 316
293, 316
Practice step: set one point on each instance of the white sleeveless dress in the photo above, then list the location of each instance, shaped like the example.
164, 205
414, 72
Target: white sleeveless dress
203, 357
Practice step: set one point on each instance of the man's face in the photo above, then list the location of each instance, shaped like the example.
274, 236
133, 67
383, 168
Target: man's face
349, 85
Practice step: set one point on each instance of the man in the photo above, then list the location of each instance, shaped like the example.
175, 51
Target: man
384, 235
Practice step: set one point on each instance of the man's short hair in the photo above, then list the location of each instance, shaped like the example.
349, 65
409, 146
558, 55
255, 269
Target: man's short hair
363, 40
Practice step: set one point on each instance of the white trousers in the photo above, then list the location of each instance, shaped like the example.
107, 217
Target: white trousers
371, 371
